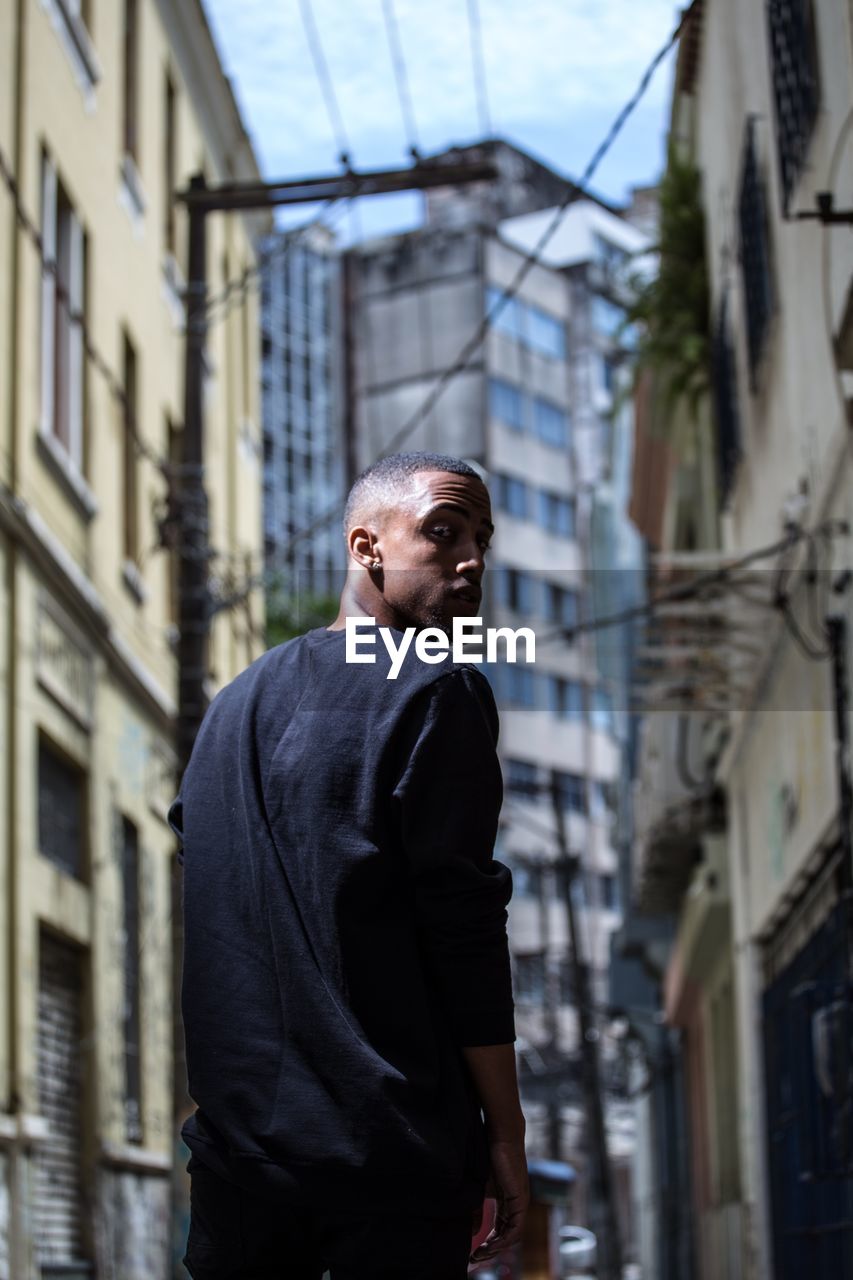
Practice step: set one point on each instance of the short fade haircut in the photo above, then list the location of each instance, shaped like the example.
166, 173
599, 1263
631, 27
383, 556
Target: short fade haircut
378, 485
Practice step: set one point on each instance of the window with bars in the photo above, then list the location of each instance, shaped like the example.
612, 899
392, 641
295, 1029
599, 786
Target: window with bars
61, 810
796, 85
725, 401
755, 257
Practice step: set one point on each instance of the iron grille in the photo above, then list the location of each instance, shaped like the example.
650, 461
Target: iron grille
754, 252
796, 86
726, 408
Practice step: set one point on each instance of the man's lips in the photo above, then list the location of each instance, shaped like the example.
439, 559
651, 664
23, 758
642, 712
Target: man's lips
471, 595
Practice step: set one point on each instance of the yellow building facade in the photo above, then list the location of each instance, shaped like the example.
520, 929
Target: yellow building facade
105, 107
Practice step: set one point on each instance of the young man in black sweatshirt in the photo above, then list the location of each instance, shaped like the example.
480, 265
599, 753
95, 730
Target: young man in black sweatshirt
346, 989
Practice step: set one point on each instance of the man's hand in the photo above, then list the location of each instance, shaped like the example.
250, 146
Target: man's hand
509, 1186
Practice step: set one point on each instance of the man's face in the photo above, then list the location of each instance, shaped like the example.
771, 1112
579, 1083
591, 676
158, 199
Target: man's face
433, 545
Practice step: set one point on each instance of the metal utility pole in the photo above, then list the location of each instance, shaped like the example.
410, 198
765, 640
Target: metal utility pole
194, 603
604, 1222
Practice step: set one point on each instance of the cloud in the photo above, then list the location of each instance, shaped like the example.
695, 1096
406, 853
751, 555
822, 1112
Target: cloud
553, 66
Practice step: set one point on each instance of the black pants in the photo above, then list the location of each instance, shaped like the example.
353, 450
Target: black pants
235, 1235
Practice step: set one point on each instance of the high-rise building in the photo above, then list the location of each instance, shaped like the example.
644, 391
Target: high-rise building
302, 370
537, 409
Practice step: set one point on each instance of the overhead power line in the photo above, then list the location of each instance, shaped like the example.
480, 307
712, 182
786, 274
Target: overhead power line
698, 584
475, 30
474, 343
321, 67
401, 77
575, 193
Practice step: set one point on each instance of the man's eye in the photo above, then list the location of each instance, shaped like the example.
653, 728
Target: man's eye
441, 530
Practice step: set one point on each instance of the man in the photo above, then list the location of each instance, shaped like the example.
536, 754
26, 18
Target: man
346, 992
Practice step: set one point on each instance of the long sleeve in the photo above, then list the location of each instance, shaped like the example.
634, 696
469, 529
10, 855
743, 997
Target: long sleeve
449, 798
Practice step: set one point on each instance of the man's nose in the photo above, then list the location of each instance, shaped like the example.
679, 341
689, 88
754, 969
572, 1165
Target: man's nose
473, 562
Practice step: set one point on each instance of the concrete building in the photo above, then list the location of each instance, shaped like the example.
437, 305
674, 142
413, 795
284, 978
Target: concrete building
105, 109
532, 410
743, 819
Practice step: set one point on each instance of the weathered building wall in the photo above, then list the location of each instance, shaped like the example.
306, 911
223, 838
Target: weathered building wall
87, 663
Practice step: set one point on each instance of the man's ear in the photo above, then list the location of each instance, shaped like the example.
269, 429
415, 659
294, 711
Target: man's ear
362, 544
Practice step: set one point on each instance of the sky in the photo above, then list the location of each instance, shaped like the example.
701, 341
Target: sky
557, 73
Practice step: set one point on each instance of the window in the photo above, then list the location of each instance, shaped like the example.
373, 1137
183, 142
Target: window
609, 896
61, 811
546, 334
509, 319
796, 85
526, 881
63, 316
512, 496
556, 514
529, 983
175, 441
561, 605
754, 253
572, 790
130, 473
565, 698
170, 171
130, 99
601, 798
611, 256
609, 374
725, 400
506, 403
607, 316
132, 1020
520, 687
522, 777
602, 709
519, 591
550, 423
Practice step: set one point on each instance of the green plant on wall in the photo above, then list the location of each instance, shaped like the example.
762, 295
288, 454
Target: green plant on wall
671, 310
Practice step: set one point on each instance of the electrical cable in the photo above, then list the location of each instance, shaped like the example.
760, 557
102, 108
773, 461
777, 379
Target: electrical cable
576, 192
690, 589
327, 88
401, 77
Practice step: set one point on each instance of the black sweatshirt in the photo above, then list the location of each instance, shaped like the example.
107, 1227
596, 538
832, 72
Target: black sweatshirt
344, 927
